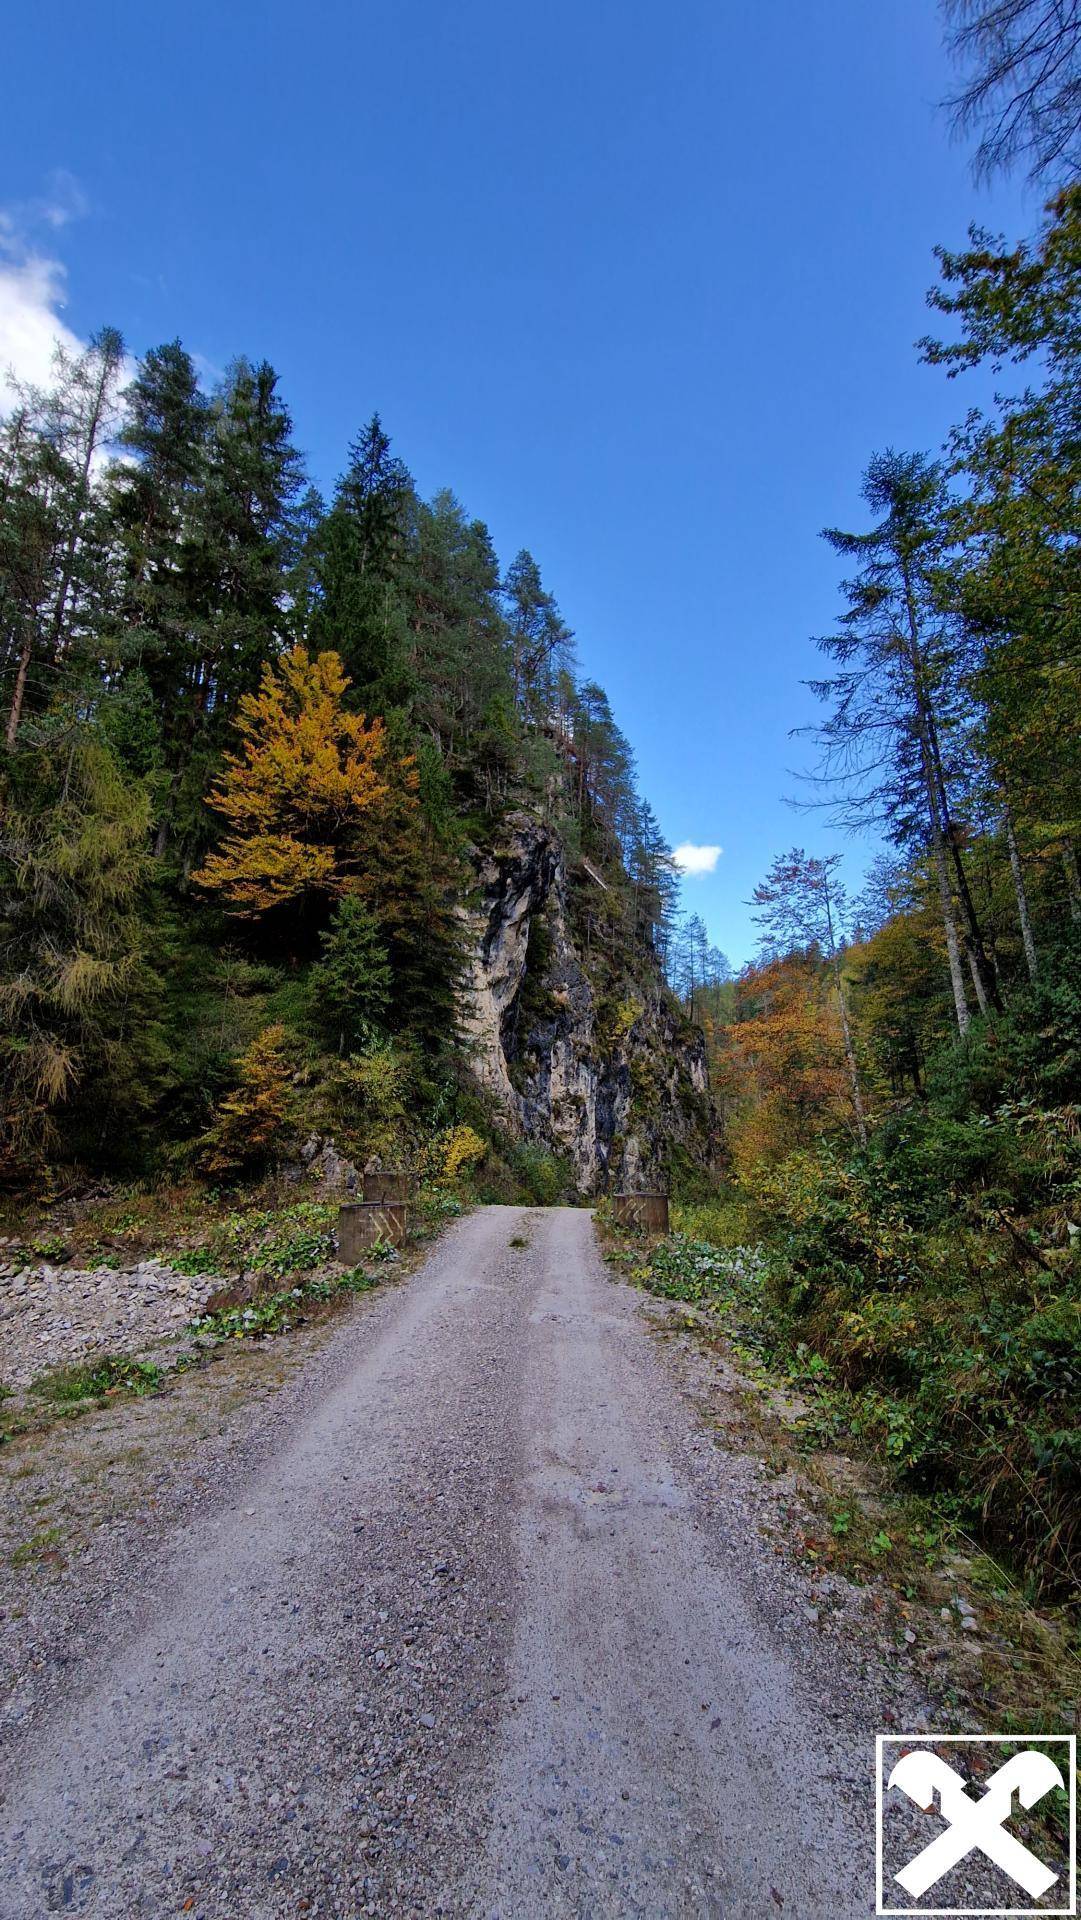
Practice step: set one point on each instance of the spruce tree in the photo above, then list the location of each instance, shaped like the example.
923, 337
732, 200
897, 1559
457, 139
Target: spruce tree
360, 550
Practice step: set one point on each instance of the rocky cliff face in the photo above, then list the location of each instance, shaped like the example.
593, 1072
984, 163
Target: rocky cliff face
599, 1067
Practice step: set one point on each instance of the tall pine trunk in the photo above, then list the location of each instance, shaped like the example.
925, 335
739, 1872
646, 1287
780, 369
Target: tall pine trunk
977, 980
983, 976
928, 746
949, 924
110, 352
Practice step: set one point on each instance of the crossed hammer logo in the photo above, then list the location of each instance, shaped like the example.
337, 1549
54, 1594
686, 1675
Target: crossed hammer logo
975, 1825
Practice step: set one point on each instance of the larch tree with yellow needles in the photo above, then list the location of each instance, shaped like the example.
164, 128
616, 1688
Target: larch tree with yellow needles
307, 774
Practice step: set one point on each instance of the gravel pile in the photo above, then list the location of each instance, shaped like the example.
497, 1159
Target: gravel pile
53, 1316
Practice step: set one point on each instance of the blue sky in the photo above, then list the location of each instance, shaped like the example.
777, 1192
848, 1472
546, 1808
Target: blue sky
639, 281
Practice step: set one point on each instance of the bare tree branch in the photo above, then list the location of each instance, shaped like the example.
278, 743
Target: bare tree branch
1021, 61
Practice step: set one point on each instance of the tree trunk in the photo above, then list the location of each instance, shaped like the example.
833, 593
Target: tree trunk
19, 693
953, 945
106, 371
977, 980
850, 1057
1027, 937
935, 798
983, 976
1073, 880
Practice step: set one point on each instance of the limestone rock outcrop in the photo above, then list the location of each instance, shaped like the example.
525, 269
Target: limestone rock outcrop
612, 1077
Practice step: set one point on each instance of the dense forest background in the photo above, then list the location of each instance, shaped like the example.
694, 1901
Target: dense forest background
252, 740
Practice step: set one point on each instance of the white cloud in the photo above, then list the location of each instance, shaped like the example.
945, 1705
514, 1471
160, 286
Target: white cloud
691, 859
32, 285
31, 299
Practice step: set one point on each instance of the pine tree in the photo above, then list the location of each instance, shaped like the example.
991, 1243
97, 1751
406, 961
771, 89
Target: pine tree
159, 621
900, 728
31, 479
90, 383
540, 640
1015, 577
301, 582
356, 612
52, 542
459, 669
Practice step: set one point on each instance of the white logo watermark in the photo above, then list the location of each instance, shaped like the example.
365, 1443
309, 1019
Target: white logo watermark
911, 1774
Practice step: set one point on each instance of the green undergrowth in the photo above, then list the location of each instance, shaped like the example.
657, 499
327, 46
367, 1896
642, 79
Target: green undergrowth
270, 1241
961, 1404
276, 1312
201, 1230
873, 1515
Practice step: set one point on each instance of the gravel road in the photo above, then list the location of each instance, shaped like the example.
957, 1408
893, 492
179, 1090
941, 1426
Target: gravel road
490, 1630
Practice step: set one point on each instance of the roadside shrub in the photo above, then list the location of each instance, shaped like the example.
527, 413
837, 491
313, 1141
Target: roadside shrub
461, 1149
543, 1179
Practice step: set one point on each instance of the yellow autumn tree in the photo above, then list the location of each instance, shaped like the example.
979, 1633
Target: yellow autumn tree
250, 1120
307, 774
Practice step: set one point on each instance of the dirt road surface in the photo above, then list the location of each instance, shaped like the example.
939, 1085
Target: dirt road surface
482, 1625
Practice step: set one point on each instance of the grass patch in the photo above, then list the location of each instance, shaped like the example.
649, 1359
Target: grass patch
37, 1547
98, 1380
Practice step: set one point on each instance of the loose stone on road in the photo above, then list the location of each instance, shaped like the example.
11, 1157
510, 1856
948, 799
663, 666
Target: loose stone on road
479, 1624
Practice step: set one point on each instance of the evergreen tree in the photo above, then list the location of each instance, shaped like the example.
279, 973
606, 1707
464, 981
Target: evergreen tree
53, 545
301, 582
896, 741
350, 987
458, 648
160, 612
540, 640
1015, 576
73, 869
31, 480
360, 552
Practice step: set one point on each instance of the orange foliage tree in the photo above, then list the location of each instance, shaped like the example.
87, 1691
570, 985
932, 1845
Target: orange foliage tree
297, 796
781, 1063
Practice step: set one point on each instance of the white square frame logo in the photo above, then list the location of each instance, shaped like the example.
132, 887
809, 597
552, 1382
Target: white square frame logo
883, 1741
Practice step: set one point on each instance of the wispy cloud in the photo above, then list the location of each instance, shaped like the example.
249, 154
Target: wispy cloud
64, 200
691, 859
